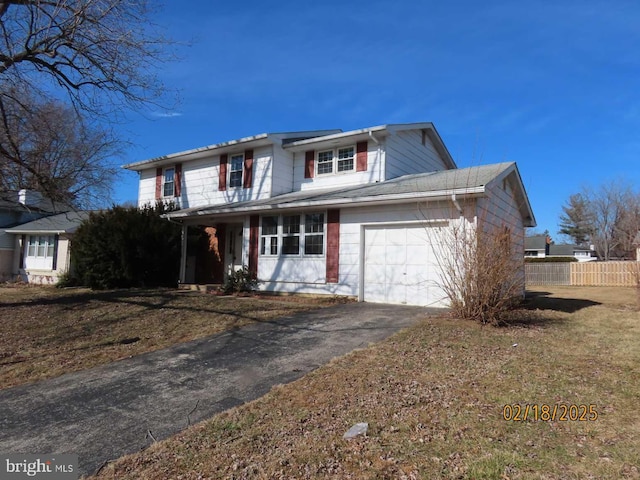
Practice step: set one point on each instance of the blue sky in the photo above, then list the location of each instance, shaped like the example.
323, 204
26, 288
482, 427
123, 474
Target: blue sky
553, 86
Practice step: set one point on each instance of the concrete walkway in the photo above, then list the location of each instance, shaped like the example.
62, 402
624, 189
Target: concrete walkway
108, 411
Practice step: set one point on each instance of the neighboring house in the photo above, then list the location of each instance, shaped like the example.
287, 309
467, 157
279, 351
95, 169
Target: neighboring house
540, 246
17, 207
357, 213
42, 250
636, 242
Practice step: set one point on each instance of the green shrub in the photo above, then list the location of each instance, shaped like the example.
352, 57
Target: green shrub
127, 247
242, 280
66, 279
550, 259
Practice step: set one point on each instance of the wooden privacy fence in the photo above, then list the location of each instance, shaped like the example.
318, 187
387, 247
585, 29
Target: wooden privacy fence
547, 273
601, 274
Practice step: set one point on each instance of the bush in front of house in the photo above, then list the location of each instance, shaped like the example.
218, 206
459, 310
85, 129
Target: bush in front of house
127, 247
242, 280
550, 259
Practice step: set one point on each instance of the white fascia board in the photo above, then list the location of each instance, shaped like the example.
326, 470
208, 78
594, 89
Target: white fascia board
299, 145
261, 140
444, 195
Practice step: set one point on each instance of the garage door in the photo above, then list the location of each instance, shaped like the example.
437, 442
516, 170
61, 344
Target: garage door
400, 266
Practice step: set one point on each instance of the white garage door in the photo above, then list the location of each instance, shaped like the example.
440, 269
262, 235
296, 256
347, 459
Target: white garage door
400, 266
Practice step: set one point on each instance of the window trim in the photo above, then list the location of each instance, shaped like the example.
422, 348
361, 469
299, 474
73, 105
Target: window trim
336, 160
231, 170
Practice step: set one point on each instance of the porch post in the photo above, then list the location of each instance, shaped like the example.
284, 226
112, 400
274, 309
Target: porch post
183, 254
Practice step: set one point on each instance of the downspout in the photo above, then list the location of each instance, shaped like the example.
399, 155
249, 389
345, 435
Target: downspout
379, 155
456, 204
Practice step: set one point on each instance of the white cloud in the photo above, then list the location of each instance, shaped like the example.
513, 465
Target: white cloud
166, 114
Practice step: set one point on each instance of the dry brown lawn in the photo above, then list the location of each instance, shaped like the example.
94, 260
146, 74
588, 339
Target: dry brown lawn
45, 332
434, 398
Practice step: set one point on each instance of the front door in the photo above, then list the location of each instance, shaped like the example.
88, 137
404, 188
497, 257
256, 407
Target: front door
233, 253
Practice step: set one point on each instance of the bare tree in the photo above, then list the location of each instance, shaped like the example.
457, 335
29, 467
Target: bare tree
98, 55
55, 151
614, 218
87, 48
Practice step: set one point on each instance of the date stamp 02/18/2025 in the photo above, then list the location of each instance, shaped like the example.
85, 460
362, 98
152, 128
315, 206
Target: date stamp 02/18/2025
543, 412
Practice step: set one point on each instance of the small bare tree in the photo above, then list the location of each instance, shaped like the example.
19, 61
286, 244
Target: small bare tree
480, 271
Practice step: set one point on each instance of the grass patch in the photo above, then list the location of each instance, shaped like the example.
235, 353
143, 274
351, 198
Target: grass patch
433, 396
46, 332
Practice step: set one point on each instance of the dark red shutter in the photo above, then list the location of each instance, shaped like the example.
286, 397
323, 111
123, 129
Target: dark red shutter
309, 167
222, 179
254, 237
248, 169
361, 156
333, 246
159, 183
177, 180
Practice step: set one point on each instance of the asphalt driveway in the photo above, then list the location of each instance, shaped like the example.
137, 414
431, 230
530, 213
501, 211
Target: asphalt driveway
106, 412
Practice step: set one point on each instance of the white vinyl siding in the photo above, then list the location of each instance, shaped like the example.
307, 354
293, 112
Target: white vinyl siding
406, 154
500, 209
200, 181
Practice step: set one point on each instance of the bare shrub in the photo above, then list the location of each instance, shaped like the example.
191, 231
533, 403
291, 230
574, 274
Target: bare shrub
480, 272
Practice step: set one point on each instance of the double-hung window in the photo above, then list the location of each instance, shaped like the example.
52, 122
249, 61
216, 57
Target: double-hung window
325, 162
338, 160
168, 188
290, 234
314, 234
235, 175
345, 159
269, 236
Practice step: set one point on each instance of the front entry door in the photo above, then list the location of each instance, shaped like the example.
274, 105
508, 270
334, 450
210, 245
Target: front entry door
233, 254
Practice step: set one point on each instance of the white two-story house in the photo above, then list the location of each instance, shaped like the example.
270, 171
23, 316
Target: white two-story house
355, 213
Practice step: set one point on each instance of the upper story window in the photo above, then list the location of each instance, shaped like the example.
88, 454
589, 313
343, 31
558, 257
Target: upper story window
168, 186
337, 160
235, 172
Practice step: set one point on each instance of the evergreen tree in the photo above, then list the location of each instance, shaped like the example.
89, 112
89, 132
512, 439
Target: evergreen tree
576, 221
